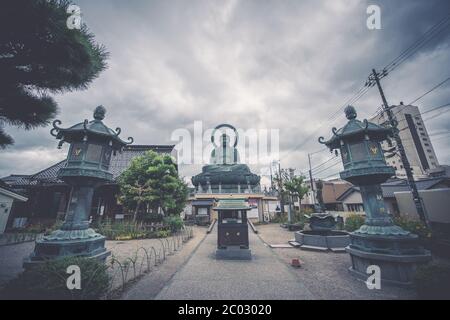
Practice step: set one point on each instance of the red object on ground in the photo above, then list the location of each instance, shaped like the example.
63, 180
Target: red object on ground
296, 263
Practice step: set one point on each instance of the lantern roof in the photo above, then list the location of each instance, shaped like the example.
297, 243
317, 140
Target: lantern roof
232, 204
94, 128
356, 130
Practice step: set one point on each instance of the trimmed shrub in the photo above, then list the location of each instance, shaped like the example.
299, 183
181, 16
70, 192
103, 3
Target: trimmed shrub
414, 226
175, 223
162, 234
48, 281
354, 222
126, 230
433, 281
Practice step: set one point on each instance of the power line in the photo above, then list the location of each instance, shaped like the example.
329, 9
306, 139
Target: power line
325, 162
412, 46
426, 37
331, 166
431, 90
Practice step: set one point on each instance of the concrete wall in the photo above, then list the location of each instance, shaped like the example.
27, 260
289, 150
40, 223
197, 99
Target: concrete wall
436, 203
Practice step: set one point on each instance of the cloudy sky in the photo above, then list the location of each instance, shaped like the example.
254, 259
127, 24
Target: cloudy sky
278, 64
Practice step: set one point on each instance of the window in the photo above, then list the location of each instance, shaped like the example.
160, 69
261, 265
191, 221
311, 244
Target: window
401, 167
429, 151
426, 144
422, 134
420, 129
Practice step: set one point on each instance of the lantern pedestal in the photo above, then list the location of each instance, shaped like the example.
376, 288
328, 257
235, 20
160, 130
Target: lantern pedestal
380, 242
74, 238
397, 257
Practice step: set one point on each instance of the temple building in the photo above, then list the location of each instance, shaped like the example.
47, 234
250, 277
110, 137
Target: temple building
47, 196
226, 178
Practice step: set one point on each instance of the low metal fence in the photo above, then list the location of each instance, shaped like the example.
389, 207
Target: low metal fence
143, 261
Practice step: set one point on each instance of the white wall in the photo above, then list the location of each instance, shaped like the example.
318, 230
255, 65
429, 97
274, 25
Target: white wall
5, 209
436, 203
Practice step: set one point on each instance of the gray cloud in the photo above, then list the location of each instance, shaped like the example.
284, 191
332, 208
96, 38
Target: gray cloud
284, 65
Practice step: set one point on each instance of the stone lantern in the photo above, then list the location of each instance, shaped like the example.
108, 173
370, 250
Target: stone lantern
91, 145
232, 230
379, 241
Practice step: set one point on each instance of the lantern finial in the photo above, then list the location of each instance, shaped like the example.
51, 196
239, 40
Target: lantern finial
99, 113
350, 112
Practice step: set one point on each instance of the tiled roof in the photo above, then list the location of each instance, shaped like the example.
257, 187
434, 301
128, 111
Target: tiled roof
119, 163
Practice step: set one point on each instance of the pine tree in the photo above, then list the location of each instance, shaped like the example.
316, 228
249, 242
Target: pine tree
40, 55
151, 182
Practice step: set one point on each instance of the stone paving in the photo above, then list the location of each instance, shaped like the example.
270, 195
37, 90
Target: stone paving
264, 277
325, 274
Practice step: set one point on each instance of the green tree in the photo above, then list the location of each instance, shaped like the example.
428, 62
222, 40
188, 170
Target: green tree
295, 186
152, 182
39, 55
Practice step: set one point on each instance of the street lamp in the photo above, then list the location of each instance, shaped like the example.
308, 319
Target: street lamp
91, 145
379, 241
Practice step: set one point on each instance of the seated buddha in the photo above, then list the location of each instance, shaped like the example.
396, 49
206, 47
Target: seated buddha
225, 174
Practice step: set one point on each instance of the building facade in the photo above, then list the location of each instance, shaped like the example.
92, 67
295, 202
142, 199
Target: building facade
47, 196
416, 141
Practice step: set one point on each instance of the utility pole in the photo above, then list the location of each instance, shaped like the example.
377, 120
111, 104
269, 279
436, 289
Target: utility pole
271, 178
280, 187
311, 180
393, 122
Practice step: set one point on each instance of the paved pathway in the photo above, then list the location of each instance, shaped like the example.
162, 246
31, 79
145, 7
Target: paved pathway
264, 277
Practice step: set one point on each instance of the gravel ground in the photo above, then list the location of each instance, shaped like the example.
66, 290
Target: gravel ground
326, 274
12, 256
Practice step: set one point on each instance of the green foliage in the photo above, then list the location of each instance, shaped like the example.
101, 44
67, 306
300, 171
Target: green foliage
162, 234
280, 218
39, 54
354, 222
414, 226
432, 281
296, 187
299, 218
152, 182
126, 230
48, 281
153, 218
175, 223
307, 211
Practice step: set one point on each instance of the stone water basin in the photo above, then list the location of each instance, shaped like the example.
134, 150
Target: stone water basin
323, 240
